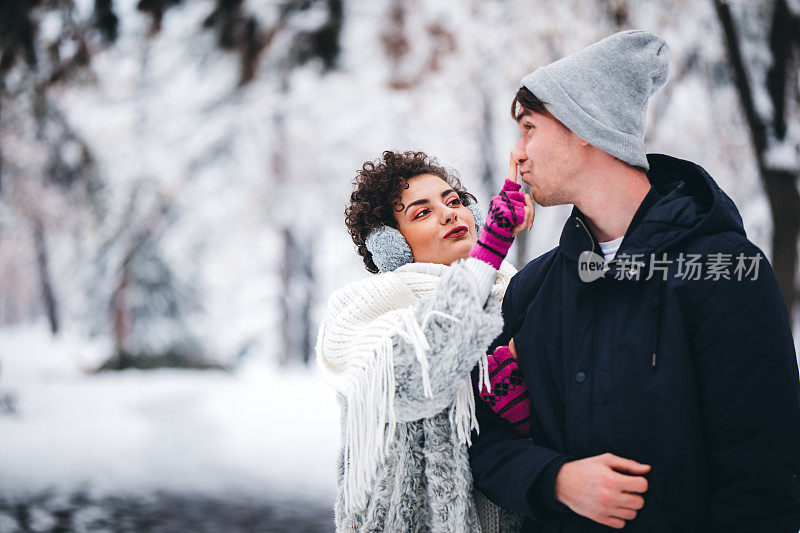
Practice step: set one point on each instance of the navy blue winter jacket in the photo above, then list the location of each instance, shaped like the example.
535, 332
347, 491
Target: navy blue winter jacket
696, 377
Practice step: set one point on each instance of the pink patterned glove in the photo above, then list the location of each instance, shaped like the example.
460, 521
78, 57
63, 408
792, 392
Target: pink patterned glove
506, 211
510, 397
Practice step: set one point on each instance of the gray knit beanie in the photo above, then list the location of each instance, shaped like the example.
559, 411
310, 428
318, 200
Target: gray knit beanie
601, 92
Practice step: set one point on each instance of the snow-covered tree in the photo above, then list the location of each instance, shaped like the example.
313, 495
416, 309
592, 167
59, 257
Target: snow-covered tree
763, 41
187, 162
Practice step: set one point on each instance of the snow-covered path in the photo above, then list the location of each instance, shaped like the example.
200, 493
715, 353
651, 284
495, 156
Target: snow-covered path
257, 432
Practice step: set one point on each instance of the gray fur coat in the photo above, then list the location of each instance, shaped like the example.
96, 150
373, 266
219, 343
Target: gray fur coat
422, 482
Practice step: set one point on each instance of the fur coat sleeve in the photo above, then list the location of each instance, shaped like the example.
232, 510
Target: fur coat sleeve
458, 330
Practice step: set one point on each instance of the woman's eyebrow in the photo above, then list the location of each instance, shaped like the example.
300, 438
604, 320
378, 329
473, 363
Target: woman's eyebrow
417, 202
426, 201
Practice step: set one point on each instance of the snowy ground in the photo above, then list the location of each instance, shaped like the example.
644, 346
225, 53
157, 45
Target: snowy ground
158, 513
256, 434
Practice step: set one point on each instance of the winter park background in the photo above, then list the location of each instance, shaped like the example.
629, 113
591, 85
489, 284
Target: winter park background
173, 175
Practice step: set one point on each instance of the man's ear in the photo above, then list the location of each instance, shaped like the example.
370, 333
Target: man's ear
581, 141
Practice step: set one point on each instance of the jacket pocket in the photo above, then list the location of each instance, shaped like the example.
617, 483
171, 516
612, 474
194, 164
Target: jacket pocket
682, 511
658, 508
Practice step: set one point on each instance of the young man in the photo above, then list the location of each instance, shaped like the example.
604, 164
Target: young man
662, 374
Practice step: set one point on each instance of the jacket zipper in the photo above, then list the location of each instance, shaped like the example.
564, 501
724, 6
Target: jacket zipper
588, 234
655, 301
596, 368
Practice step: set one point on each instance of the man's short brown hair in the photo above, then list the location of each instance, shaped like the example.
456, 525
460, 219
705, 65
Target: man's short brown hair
526, 102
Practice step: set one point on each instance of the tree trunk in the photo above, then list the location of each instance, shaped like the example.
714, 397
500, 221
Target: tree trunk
489, 173
1, 144
780, 185
285, 299
784, 199
305, 273
297, 279
43, 262
121, 316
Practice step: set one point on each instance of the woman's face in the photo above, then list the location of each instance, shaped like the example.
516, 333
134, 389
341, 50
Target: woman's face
436, 225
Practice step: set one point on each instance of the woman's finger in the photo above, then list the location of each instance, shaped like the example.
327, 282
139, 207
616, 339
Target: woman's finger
512, 168
526, 220
512, 348
529, 203
524, 224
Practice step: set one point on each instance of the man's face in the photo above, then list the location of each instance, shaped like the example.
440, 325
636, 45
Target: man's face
548, 156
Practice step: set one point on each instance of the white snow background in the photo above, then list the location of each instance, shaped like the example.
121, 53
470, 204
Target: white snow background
255, 432
164, 116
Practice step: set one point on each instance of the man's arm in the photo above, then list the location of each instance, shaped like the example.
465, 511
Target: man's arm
536, 481
506, 465
748, 389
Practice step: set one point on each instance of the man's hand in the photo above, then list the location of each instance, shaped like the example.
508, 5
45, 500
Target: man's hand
596, 488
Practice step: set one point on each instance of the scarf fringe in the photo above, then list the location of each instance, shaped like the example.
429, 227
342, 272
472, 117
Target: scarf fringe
483, 374
370, 422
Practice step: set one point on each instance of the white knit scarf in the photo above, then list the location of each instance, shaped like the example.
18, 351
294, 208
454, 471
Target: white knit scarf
355, 351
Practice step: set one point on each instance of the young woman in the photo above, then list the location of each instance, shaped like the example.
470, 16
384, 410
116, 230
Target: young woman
399, 347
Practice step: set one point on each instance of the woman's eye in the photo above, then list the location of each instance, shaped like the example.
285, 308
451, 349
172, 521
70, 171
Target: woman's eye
455, 201
422, 212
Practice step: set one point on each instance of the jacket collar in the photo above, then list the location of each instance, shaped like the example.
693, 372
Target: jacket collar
576, 237
683, 202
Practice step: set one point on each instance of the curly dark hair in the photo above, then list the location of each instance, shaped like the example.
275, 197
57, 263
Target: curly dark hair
377, 189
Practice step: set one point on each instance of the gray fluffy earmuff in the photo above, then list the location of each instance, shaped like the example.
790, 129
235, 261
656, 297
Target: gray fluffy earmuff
390, 250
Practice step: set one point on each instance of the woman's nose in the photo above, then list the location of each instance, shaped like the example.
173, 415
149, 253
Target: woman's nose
449, 214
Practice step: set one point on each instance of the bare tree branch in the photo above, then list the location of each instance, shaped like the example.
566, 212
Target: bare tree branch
757, 129
780, 184
780, 43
